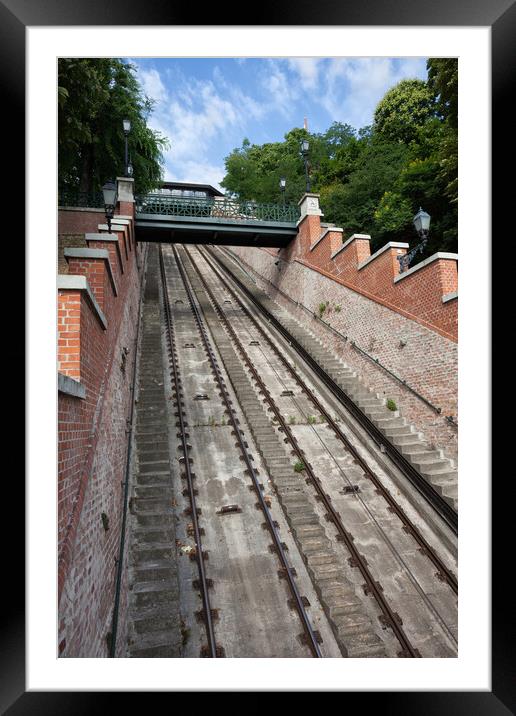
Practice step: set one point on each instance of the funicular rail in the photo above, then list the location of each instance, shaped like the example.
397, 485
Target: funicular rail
309, 632
445, 511
389, 616
408, 525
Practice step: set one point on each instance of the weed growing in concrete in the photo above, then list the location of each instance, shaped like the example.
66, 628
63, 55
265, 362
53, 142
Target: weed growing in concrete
322, 309
337, 308
299, 466
292, 420
391, 404
312, 419
185, 633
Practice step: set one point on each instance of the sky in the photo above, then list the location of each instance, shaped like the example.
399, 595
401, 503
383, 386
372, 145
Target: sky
206, 106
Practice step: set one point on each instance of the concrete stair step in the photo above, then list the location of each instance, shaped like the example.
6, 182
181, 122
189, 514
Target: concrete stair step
157, 645
426, 458
314, 546
411, 439
160, 621
145, 554
399, 431
153, 519
159, 570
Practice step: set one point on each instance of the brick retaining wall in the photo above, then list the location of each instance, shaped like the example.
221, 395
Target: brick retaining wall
96, 332
422, 356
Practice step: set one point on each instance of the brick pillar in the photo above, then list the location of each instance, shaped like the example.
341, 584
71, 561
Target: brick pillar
125, 196
309, 226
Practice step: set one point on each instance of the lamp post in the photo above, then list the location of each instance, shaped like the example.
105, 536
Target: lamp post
305, 146
127, 129
282, 186
109, 191
422, 225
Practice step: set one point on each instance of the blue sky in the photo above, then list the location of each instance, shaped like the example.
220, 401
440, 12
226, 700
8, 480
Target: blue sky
207, 106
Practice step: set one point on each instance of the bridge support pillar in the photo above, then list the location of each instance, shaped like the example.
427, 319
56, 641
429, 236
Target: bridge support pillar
125, 196
309, 226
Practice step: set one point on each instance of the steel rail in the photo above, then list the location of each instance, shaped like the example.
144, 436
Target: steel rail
183, 435
443, 571
390, 618
280, 551
443, 509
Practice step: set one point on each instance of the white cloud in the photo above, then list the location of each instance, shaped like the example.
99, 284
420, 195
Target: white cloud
152, 84
281, 90
307, 68
355, 86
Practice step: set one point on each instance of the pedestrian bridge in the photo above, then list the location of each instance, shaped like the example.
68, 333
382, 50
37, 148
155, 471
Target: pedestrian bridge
214, 220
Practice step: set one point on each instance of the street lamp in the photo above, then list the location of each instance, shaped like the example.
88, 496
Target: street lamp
282, 186
109, 191
127, 128
422, 225
305, 146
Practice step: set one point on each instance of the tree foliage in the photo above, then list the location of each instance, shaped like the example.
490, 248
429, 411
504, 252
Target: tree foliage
94, 97
403, 110
372, 180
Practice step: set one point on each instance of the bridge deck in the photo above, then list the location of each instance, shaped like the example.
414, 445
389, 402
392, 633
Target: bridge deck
166, 219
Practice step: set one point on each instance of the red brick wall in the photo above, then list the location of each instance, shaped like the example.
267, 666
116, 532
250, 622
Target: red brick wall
419, 296
419, 354
92, 455
79, 221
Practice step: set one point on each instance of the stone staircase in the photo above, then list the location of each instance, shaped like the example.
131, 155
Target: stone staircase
154, 621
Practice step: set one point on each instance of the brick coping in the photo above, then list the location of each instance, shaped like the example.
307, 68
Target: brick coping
81, 208
422, 264
69, 386
450, 296
73, 282
365, 237
81, 253
389, 245
326, 231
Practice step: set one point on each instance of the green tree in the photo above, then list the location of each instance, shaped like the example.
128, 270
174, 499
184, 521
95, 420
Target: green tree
94, 96
374, 179
403, 109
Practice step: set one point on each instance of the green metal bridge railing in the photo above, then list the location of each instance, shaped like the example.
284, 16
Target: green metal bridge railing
222, 209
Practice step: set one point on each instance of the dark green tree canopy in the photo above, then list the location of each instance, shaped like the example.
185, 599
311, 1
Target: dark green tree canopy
403, 110
374, 179
94, 97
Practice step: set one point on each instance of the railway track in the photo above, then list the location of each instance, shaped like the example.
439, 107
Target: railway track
439, 504
356, 559
443, 572
355, 612
213, 649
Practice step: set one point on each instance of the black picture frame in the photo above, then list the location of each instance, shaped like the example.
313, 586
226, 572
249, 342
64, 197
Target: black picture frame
500, 16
